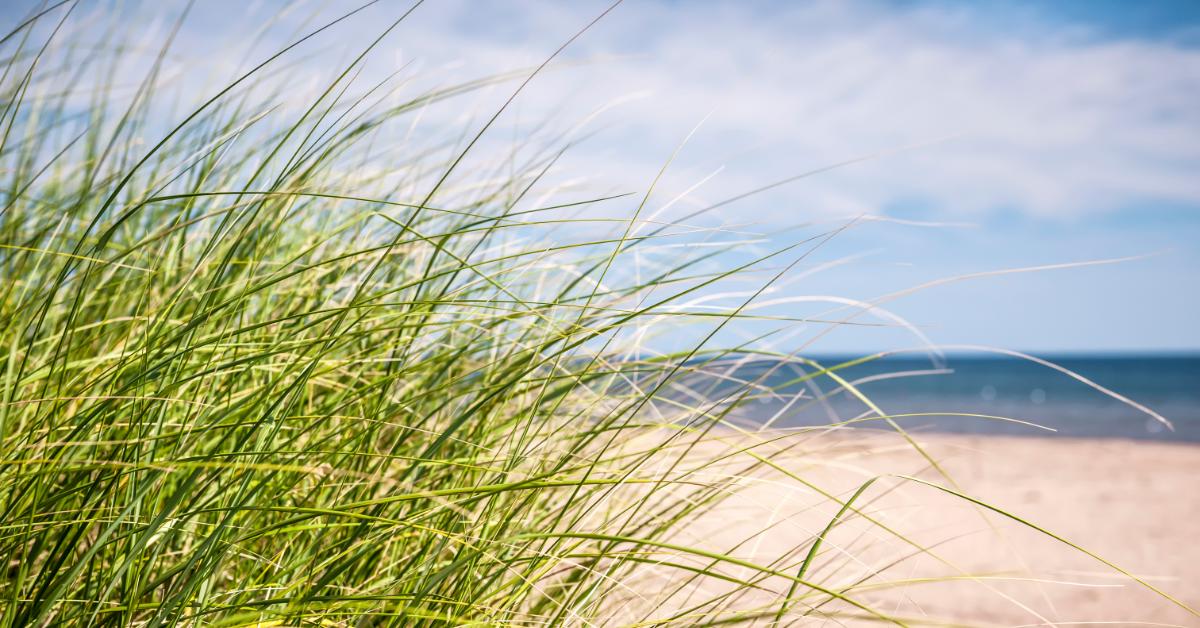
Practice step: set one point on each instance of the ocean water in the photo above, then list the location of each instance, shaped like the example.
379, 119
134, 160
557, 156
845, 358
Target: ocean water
971, 384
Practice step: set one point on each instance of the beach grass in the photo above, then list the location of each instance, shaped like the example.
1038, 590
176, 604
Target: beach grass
271, 366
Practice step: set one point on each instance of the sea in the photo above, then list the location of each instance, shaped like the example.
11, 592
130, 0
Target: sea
972, 394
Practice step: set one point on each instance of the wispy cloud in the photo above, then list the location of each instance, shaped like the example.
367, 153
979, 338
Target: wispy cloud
1060, 137
1050, 124
1055, 122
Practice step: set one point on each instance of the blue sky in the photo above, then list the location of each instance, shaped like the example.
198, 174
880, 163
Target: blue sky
1006, 135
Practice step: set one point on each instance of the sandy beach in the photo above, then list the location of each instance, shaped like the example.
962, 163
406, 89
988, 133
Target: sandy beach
1133, 503
932, 558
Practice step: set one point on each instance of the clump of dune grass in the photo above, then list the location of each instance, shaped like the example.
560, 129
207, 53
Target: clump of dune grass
258, 367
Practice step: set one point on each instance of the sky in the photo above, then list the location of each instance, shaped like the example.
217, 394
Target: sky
985, 136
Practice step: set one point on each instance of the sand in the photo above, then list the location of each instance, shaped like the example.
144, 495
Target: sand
1135, 504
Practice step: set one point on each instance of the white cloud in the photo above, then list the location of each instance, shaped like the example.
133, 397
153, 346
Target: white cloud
1050, 125
1054, 125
